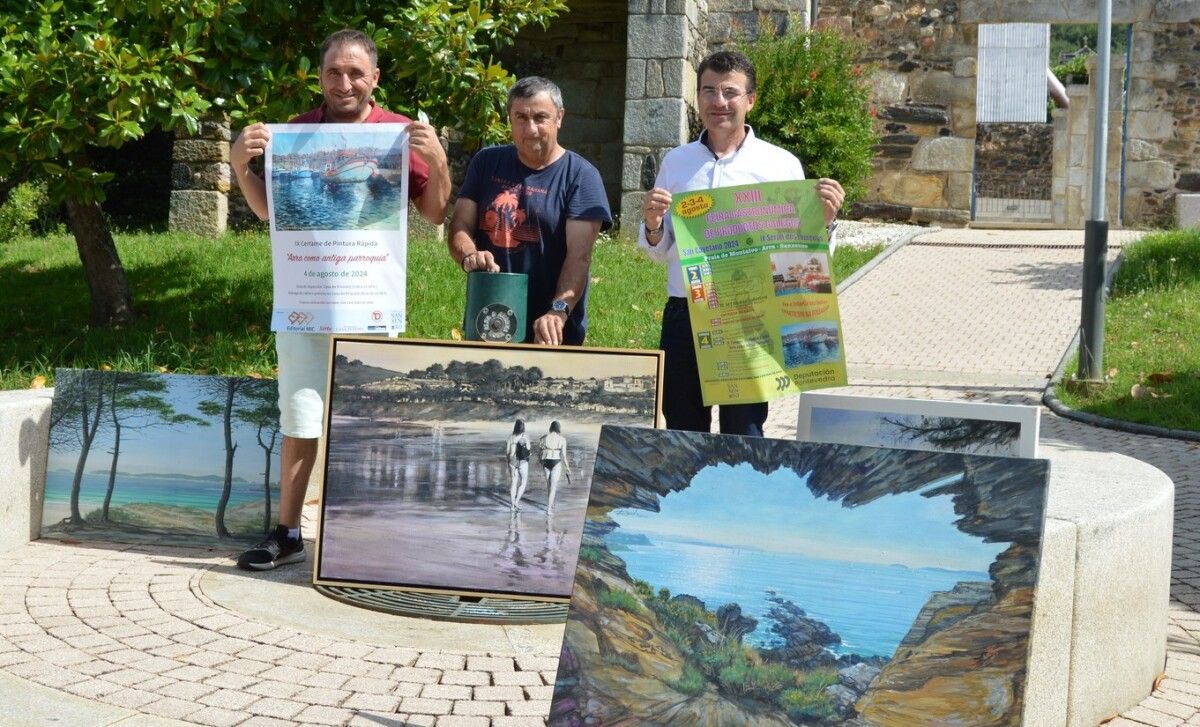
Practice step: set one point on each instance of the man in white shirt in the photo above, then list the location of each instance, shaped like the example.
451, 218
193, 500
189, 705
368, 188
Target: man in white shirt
726, 154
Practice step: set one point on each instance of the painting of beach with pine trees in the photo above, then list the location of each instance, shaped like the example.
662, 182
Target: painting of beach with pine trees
735, 580
154, 458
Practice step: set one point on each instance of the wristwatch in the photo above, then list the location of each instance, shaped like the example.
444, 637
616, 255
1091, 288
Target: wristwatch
558, 305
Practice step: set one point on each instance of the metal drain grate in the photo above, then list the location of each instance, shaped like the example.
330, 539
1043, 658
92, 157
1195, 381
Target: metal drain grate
1002, 245
445, 607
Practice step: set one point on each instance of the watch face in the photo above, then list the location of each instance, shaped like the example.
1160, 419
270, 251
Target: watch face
559, 306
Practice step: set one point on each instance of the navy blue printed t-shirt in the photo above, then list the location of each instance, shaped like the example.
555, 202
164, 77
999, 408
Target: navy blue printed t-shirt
522, 221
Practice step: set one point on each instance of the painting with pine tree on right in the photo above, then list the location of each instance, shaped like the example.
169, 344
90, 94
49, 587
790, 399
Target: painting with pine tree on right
736, 580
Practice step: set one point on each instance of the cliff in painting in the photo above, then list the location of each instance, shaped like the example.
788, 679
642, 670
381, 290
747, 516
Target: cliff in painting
729, 580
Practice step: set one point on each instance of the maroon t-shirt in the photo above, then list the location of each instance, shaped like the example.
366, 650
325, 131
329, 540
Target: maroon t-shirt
418, 170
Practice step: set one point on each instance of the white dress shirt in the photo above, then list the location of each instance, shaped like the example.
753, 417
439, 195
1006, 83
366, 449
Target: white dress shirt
694, 166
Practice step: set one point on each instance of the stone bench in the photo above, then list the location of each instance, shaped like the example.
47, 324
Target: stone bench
24, 433
1100, 615
1100, 619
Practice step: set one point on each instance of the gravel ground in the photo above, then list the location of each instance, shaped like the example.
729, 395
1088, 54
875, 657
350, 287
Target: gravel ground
859, 233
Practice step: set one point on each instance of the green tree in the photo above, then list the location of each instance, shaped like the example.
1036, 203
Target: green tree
75, 419
813, 101
225, 391
136, 401
260, 409
80, 74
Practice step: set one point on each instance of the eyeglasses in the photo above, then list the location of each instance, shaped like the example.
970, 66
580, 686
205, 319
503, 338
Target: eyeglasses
729, 93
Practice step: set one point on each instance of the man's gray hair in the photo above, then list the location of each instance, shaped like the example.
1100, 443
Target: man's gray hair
531, 86
349, 36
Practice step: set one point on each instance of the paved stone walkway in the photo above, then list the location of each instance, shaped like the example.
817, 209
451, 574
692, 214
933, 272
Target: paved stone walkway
121, 635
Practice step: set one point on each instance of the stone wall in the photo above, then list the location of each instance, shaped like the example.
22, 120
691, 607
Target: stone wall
200, 179
583, 52
1163, 154
924, 104
728, 18
1014, 160
666, 42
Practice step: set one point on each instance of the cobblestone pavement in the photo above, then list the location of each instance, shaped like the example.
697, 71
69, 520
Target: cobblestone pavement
123, 635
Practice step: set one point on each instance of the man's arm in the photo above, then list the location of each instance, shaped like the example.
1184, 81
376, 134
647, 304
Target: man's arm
581, 238
462, 239
252, 142
432, 203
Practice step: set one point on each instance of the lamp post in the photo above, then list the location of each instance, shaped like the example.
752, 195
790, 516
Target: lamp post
1095, 236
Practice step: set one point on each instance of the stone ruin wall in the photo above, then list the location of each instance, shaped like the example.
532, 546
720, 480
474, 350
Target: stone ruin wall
923, 101
666, 40
1163, 155
923, 94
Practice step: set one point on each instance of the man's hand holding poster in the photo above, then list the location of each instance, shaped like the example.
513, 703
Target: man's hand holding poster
338, 201
761, 298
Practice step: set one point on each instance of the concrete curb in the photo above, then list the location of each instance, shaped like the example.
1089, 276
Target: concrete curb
1052, 402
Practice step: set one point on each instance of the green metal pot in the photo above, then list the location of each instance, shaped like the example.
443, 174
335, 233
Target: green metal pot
496, 307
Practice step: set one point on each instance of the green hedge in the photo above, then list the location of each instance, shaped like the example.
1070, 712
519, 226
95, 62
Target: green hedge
813, 100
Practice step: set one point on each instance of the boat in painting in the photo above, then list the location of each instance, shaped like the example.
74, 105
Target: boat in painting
351, 171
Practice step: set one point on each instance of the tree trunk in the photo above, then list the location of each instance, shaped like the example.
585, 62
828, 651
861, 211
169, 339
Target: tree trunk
267, 485
89, 434
230, 449
112, 304
112, 469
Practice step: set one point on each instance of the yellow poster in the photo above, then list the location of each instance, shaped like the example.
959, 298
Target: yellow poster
762, 304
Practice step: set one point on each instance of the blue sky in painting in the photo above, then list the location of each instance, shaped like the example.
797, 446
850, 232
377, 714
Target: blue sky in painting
308, 142
852, 426
737, 506
183, 449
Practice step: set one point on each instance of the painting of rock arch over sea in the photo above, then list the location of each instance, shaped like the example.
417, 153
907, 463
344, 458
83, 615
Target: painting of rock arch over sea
171, 459
733, 580
418, 493
330, 177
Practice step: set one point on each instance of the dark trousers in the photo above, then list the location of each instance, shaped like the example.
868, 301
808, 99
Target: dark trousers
683, 403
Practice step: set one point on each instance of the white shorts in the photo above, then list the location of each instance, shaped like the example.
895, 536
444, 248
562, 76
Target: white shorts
303, 381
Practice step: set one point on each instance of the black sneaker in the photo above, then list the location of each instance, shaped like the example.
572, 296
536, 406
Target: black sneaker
277, 549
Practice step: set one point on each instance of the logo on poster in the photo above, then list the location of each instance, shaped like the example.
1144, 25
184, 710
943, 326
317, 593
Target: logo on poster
377, 315
299, 318
694, 205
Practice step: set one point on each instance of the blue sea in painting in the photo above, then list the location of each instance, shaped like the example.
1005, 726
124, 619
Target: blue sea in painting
195, 492
870, 606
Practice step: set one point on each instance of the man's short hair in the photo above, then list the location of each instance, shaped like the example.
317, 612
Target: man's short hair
727, 61
530, 86
349, 36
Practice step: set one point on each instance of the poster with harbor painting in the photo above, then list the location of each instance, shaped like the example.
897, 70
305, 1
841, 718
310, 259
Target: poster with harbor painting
465, 467
337, 200
1003, 430
161, 458
736, 580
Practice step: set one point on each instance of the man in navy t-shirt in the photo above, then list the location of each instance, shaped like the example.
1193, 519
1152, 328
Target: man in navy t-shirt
534, 207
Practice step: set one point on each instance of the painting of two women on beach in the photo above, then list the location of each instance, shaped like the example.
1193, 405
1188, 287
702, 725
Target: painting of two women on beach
424, 486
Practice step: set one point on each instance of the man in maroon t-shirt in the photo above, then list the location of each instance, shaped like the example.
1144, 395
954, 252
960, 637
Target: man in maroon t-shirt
349, 74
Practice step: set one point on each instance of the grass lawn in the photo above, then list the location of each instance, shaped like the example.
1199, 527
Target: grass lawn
1152, 336
204, 304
